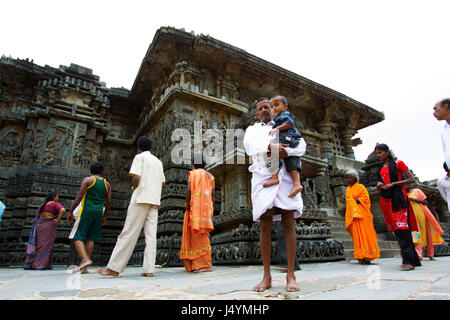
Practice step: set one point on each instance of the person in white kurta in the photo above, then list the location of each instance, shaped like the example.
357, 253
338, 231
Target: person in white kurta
147, 183
266, 200
256, 142
441, 111
443, 185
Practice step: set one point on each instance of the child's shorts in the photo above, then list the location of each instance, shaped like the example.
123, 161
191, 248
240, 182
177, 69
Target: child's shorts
293, 163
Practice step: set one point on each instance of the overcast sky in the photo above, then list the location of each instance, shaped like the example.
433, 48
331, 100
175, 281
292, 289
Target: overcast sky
391, 55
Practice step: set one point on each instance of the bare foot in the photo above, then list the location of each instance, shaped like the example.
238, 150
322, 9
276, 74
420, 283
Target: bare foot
107, 272
146, 274
83, 265
84, 271
263, 285
295, 190
207, 269
273, 181
406, 267
291, 284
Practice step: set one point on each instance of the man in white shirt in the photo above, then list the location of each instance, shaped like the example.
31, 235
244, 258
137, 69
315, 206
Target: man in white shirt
442, 112
266, 200
147, 183
444, 186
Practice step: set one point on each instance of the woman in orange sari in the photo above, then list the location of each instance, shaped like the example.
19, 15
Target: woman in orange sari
429, 234
195, 245
359, 220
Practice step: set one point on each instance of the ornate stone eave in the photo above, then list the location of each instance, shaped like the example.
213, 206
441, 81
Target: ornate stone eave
24, 64
154, 66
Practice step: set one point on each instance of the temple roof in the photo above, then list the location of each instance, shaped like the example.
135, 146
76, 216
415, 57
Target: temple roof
171, 45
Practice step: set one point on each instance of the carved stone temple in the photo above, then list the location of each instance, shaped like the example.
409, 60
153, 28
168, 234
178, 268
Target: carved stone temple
54, 122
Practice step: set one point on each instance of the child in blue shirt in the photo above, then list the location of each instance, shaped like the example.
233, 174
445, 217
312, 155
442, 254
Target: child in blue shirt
288, 134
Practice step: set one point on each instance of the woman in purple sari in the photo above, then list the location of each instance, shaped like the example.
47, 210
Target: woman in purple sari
43, 234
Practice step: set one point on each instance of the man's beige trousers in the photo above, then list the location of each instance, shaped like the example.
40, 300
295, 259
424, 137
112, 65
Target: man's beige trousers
139, 215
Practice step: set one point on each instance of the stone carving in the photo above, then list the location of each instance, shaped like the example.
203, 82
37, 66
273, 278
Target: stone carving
55, 122
11, 139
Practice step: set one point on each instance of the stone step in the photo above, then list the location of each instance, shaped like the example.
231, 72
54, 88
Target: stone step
338, 229
341, 235
384, 253
335, 218
344, 235
388, 247
348, 244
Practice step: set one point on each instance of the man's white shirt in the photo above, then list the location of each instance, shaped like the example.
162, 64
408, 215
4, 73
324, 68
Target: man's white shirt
256, 143
151, 171
445, 137
444, 188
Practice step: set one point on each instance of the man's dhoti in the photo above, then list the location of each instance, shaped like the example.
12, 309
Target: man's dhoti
265, 198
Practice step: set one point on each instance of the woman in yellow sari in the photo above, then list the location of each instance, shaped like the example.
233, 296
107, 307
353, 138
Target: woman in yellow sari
359, 220
195, 245
429, 234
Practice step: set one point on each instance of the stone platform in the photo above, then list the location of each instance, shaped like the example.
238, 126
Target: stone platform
342, 280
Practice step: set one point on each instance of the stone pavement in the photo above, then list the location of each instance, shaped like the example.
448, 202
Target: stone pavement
343, 280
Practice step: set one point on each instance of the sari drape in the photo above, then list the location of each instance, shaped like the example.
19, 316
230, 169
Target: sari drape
195, 244
39, 250
430, 231
359, 223
400, 217
31, 245
41, 257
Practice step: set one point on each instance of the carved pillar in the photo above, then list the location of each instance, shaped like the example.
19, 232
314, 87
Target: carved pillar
347, 136
242, 176
348, 133
326, 149
218, 87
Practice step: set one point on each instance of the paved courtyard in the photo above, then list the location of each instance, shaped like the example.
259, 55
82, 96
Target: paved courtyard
343, 280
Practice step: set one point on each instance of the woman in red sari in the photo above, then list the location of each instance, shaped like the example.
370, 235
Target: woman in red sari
195, 245
395, 205
43, 233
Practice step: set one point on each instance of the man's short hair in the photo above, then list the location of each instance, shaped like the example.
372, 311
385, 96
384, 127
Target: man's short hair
97, 168
144, 143
280, 97
445, 101
259, 100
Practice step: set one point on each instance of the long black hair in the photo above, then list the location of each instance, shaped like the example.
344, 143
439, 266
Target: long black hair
50, 197
384, 147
